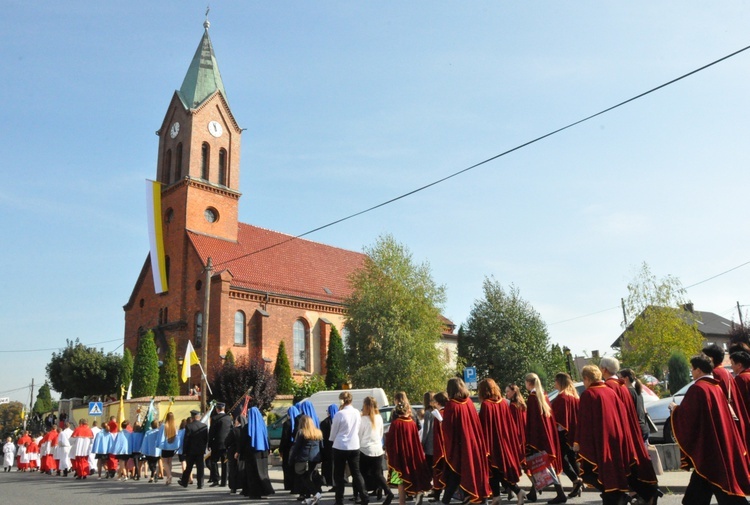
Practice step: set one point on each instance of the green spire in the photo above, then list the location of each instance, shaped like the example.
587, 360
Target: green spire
203, 77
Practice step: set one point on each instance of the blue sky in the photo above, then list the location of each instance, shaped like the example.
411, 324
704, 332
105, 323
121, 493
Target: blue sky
348, 104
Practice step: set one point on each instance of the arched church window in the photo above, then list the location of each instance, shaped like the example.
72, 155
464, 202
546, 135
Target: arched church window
223, 167
198, 332
239, 328
300, 345
178, 162
165, 169
204, 161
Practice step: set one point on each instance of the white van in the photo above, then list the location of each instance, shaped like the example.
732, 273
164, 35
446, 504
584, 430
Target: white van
322, 399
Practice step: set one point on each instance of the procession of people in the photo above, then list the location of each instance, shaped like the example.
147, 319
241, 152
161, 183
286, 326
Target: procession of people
474, 450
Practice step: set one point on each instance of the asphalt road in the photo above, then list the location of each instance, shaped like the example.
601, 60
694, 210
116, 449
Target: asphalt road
24, 488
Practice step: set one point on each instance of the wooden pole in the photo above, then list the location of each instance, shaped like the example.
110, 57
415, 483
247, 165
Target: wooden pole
204, 343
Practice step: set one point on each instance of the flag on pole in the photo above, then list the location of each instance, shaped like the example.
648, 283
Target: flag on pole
150, 414
156, 236
171, 402
191, 358
121, 410
23, 413
206, 419
130, 391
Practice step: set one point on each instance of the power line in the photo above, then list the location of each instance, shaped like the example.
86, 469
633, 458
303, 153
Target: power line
717, 275
504, 153
56, 348
14, 390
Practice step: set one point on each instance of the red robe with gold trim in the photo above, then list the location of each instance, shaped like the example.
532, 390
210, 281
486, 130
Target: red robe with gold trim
742, 380
406, 455
565, 408
466, 448
499, 431
709, 439
519, 418
729, 386
541, 432
438, 452
605, 449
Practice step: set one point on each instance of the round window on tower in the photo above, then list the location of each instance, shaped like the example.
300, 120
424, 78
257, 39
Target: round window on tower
211, 215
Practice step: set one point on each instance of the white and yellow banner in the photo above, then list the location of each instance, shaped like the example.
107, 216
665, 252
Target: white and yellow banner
156, 236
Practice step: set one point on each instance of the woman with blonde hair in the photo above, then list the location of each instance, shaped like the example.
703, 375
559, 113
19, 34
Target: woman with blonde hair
565, 409
305, 455
406, 461
541, 434
371, 448
169, 442
499, 426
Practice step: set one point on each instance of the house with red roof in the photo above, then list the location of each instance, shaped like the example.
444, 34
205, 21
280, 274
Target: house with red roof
263, 287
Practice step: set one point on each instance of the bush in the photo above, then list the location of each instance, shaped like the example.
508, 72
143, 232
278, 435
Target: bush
679, 371
283, 372
310, 385
232, 382
335, 361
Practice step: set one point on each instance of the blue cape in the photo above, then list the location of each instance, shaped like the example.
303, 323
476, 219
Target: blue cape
307, 409
293, 412
256, 428
332, 409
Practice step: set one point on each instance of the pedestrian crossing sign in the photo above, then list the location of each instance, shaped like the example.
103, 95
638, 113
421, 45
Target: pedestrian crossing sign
96, 408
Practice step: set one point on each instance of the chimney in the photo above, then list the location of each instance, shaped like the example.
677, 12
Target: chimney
688, 307
595, 354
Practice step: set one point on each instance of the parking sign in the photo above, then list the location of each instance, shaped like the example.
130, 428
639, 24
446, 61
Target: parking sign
470, 377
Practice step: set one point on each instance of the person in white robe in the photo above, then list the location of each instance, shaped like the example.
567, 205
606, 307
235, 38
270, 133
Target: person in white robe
63, 448
9, 454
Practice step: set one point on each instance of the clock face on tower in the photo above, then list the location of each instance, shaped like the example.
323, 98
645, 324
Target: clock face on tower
174, 130
214, 128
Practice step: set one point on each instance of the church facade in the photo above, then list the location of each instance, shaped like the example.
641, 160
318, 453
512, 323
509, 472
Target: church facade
265, 287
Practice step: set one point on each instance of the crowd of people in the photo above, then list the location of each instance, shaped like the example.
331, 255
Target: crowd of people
458, 447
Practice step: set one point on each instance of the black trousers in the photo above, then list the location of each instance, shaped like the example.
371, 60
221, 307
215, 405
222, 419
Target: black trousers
372, 473
699, 492
340, 460
569, 458
219, 466
190, 461
309, 483
452, 481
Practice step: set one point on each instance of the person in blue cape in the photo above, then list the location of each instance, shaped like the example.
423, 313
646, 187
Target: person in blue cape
306, 408
256, 463
288, 429
121, 450
151, 451
136, 439
326, 465
102, 441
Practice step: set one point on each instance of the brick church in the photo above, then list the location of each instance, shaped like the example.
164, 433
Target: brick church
293, 292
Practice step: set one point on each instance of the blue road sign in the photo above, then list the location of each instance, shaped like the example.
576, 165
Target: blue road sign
96, 408
470, 375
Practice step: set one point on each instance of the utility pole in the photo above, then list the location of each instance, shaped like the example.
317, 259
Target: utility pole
624, 316
31, 404
204, 344
739, 311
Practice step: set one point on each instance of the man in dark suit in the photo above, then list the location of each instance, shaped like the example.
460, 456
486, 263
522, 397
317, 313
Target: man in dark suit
194, 449
221, 425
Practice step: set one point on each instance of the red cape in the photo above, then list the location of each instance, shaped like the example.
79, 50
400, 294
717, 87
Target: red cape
605, 447
729, 386
499, 431
465, 448
565, 408
406, 455
718, 454
541, 432
83, 431
645, 469
24, 440
742, 380
438, 454
519, 418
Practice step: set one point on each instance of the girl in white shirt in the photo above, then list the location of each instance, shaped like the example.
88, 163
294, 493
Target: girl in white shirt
371, 448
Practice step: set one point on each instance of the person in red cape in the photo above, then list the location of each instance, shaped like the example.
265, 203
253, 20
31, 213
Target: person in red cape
112, 462
47, 449
643, 478
602, 439
710, 442
518, 412
565, 410
740, 360
541, 434
465, 447
438, 446
499, 432
32, 451
80, 448
406, 460
22, 443
731, 391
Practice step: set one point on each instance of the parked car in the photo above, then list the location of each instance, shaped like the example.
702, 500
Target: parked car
387, 414
659, 413
648, 395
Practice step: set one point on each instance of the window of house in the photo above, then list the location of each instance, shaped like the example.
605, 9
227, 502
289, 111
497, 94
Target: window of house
178, 162
239, 328
204, 161
300, 345
198, 334
223, 167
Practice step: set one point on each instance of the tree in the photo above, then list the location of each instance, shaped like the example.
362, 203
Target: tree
311, 384
335, 361
229, 358
43, 403
169, 384
232, 382
145, 367
10, 419
505, 338
79, 371
659, 323
126, 368
679, 371
393, 318
283, 372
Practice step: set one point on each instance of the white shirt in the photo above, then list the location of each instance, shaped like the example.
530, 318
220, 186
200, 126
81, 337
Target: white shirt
371, 437
345, 429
